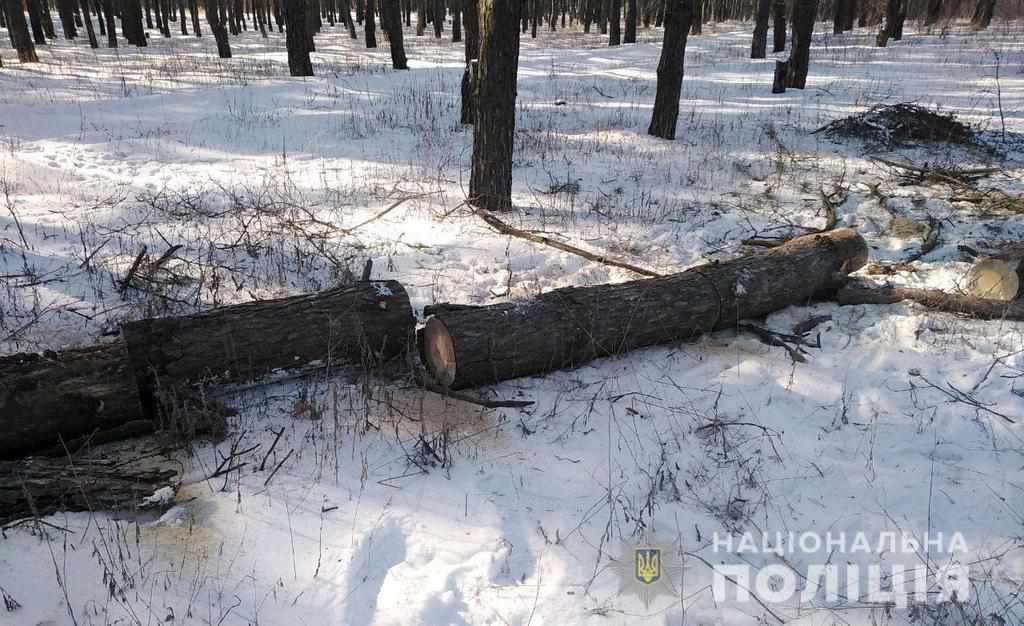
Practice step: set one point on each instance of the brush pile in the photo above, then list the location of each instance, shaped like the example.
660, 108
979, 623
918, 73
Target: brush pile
900, 124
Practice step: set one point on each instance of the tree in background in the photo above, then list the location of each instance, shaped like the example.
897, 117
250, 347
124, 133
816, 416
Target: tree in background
679, 16
297, 39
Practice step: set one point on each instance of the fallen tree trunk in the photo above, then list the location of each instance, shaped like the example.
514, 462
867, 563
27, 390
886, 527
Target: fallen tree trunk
59, 401
35, 487
464, 346
363, 323
980, 308
47, 397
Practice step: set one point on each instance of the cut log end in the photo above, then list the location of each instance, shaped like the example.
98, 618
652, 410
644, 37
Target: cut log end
439, 351
994, 279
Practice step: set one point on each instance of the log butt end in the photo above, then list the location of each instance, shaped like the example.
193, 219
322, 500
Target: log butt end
439, 352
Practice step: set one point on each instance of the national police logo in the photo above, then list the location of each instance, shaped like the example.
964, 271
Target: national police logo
647, 564
648, 569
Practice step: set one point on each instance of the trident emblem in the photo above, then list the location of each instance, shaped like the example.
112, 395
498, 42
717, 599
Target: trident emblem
647, 564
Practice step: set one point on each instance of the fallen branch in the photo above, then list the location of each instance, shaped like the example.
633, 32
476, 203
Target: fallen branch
394, 205
978, 308
507, 229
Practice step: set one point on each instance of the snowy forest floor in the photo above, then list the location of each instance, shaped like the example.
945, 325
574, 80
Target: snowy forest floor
400, 507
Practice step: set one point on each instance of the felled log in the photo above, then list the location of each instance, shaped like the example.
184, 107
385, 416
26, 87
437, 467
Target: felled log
464, 346
56, 402
63, 395
995, 279
936, 299
40, 486
363, 323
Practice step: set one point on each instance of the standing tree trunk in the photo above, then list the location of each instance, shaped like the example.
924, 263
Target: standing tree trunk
934, 13
632, 19
108, 13
803, 29
67, 18
778, 25
370, 25
983, 13
35, 19
193, 9
759, 42
215, 16
438, 18
181, 17
346, 16
297, 39
421, 17
490, 183
678, 18
614, 23
17, 28
391, 18
165, 15
90, 31
471, 20
697, 21
456, 6
839, 16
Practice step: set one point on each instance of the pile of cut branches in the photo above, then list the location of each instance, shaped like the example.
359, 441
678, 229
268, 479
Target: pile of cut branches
902, 123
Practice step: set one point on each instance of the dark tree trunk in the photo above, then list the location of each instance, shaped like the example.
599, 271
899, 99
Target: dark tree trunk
370, 25
438, 18
35, 19
778, 25
67, 18
89, 30
631, 22
697, 21
100, 14
47, 20
471, 20
759, 42
678, 17
465, 346
131, 23
614, 23
148, 10
346, 15
182, 18
850, 16
456, 8
215, 16
193, 10
781, 76
17, 27
391, 17
490, 184
839, 16
421, 17
297, 39
934, 12
165, 15
108, 11
803, 29
984, 10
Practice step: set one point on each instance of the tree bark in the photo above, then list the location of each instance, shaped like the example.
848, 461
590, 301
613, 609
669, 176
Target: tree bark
391, 17
456, 7
90, 31
215, 16
781, 76
370, 25
35, 19
678, 16
467, 346
438, 18
614, 23
934, 13
108, 14
362, 323
490, 184
36, 487
803, 29
759, 42
778, 25
839, 16
471, 20
631, 21
979, 308
984, 10
17, 27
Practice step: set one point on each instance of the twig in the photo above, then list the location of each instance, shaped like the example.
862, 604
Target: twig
394, 205
263, 463
131, 272
286, 457
507, 229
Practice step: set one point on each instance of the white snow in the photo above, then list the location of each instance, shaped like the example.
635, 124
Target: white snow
257, 175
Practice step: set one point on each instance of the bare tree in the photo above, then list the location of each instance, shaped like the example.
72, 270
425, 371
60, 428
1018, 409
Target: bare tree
297, 38
759, 42
391, 20
471, 20
803, 29
17, 27
679, 15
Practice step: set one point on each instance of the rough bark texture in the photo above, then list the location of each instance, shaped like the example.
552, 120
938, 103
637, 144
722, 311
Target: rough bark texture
21, 39
35, 19
781, 77
297, 38
614, 23
803, 29
934, 13
678, 17
759, 42
370, 24
983, 13
490, 183
778, 25
37, 487
391, 17
362, 323
108, 14
631, 21
467, 346
471, 21
215, 16
47, 397
980, 308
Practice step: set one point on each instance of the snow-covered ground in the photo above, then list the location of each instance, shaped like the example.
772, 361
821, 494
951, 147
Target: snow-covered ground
400, 507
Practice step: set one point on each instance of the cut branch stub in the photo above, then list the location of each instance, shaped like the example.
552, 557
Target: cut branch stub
464, 346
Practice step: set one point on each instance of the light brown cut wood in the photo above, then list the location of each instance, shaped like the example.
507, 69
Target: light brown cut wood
980, 308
